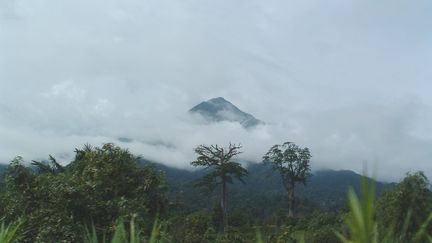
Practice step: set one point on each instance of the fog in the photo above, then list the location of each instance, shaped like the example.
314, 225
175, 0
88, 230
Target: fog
348, 79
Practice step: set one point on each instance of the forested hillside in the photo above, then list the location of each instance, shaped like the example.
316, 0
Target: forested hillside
263, 192
108, 193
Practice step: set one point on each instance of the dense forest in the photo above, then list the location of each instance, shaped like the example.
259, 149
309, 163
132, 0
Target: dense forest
107, 194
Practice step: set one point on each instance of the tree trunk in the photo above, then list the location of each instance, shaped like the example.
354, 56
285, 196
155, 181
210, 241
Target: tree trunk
291, 200
223, 205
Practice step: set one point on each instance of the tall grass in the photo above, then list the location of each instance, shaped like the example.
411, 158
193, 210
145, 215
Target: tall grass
361, 222
121, 235
363, 227
8, 233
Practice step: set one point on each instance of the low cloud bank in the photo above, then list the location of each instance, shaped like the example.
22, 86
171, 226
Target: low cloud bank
349, 79
387, 137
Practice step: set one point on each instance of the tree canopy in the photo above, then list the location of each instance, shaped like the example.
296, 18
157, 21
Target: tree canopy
410, 201
100, 186
293, 164
223, 170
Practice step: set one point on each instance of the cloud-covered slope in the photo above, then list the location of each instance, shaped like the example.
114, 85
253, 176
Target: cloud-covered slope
219, 109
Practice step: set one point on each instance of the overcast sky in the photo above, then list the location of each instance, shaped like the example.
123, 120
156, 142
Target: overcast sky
349, 79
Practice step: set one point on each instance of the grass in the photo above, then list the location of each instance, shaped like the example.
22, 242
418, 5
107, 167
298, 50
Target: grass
361, 222
121, 235
8, 233
363, 227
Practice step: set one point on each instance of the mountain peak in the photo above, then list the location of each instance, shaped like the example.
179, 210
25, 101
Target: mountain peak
218, 100
219, 109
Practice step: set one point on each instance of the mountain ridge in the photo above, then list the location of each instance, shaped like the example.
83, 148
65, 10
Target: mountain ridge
219, 109
325, 190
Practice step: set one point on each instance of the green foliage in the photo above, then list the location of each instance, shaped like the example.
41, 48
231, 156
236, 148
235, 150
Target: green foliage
232, 235
224, 170
123, 235
115, 186
291, 161
17, 195
219, 160
100, 186
412, 193
293, 164
361, 222
320, 227
325, 234
263, 196
124, 202
197, 227
217, 215
52, 167
9, 233
283, 234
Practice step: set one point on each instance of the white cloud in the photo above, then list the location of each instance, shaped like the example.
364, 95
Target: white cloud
7, 9
350, 79
67, 89
103, 107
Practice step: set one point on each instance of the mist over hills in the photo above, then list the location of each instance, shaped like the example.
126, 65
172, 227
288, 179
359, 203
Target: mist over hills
166, 132
263, 190
326, 188
213, 111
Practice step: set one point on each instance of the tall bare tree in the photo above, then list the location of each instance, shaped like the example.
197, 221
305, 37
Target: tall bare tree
293, 164
223, 170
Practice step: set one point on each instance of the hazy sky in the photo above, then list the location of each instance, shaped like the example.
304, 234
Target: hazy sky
350, 79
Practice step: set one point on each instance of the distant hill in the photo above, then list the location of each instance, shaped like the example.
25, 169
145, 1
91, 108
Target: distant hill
263, 192
219, 109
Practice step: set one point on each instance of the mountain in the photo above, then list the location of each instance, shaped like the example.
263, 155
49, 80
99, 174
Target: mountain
219, 109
